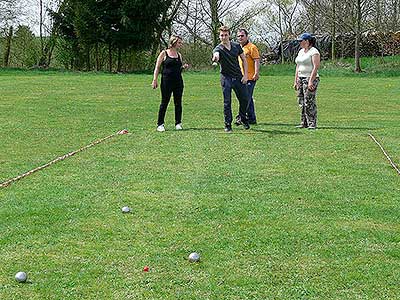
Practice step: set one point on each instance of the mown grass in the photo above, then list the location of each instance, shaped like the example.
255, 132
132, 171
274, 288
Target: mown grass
275, 212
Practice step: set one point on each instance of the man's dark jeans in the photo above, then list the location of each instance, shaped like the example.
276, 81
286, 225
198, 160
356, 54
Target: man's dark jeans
227, 84
251, 111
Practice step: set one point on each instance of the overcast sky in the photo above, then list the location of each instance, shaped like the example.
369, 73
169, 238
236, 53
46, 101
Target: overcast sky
30, 11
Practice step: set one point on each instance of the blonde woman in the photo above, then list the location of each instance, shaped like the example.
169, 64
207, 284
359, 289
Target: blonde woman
171, 81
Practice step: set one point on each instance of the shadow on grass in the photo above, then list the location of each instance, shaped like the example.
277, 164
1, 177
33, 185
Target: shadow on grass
320, 127
276, 132
203, 129
252, 130
276, 124
347, 128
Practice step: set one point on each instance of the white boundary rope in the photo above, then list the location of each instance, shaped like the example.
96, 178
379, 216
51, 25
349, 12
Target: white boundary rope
384, 152
12, 180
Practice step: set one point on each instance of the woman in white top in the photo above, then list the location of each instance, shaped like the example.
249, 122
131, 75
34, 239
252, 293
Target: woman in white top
306, 80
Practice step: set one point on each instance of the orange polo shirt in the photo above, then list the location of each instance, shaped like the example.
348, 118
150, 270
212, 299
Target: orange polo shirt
251, 52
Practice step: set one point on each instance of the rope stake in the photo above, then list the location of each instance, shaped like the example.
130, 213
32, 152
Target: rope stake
12, 180
384, 152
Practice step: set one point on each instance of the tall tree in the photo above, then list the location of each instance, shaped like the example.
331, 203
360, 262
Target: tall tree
7, 48
357, 67
26, 49
10, 10
202, 19
333, 31
47, 31
120, 25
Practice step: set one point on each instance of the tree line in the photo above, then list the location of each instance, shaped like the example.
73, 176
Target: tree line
125, 35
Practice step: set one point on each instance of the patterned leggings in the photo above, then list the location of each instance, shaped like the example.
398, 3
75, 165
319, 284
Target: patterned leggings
307, 102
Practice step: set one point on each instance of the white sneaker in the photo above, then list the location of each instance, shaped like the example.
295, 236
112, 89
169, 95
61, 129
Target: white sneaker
178, 126
161, 128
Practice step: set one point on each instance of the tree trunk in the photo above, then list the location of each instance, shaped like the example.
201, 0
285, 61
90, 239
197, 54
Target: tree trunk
7, 51
357, 68
119, 60
281, 34
395, 18
41, 26
42, 60
215, 23
49, 48
110, 57
50, 53
333, 50
97, 57
313, 17
88, 66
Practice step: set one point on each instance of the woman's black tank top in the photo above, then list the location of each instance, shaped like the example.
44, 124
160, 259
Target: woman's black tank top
172, 67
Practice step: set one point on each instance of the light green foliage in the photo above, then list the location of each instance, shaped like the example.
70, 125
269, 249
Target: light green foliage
275, 212
25, 48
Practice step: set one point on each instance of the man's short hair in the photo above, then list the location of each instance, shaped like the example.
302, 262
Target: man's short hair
225, 28
244, 30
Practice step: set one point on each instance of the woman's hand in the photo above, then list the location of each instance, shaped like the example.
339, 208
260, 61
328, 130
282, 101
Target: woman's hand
154, 84
311, 86
295, 85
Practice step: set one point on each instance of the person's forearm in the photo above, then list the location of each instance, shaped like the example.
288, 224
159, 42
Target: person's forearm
245, 67
155, 74
257, 66
316, 63
313, 74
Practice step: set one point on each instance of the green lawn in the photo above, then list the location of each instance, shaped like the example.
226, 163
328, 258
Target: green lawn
275, 212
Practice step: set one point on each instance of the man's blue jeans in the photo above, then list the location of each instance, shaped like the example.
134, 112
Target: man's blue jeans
251, 113
240, 89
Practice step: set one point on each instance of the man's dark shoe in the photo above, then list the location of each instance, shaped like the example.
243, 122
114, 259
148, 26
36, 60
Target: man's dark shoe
253, 122
246, 126
228, 128
238, 121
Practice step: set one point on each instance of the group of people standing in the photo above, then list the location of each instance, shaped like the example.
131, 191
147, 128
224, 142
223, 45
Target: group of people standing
239, 71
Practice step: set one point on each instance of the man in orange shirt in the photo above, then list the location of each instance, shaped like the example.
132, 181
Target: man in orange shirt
253, 62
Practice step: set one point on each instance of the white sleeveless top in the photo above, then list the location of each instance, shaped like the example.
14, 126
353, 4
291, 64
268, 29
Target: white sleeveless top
304, 62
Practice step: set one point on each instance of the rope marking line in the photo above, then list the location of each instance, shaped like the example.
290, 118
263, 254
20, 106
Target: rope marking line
385, 153
12, 180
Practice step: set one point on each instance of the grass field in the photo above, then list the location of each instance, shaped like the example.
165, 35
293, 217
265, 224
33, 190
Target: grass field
275, 212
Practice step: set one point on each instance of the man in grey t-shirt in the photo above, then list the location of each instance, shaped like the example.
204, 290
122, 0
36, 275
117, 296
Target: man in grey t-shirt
227, 53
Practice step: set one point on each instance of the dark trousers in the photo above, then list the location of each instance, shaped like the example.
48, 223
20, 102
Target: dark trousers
240, 89
251, 112
169, 87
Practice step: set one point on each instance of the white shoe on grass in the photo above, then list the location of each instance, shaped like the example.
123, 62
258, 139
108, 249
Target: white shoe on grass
161, 128
178, 126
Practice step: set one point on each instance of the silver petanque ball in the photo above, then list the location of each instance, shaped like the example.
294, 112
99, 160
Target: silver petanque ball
126, 209
21, 277
194, 257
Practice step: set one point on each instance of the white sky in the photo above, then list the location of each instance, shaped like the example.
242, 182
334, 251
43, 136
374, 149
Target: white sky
31, 8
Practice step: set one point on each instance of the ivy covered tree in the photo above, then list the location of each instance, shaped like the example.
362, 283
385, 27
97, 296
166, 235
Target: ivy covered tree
118, 25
